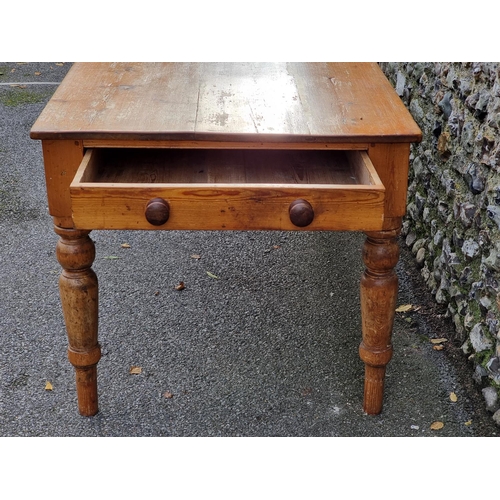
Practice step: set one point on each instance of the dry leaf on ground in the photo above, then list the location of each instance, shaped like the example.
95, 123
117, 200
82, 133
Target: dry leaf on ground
212, 275
453, 397
404, 308
180, 286
125, 245
438, 347
469, 422
196, 256
135, 370
168, 395
435, 426
48, 386
439, 341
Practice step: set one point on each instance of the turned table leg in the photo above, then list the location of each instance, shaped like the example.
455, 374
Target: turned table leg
78, 288
379, 289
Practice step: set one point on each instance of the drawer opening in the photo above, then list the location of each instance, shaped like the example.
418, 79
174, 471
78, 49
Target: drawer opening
219, 166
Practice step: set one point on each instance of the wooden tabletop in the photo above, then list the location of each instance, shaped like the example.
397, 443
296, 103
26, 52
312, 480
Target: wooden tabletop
290, 102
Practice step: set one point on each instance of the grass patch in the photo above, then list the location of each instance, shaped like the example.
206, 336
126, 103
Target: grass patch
17, 97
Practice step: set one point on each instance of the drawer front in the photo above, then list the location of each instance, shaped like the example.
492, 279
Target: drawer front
223, 189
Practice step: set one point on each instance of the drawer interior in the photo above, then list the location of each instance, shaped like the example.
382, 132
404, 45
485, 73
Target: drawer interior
220, 166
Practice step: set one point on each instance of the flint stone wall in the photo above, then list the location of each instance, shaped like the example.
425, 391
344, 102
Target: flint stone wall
453, 211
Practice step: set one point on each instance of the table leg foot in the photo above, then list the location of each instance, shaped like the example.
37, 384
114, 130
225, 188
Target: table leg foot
79, 298
379, 289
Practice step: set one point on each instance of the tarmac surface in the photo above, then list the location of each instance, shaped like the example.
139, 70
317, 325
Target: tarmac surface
262, 341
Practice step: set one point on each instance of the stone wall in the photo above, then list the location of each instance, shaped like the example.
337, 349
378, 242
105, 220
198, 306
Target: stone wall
453, 219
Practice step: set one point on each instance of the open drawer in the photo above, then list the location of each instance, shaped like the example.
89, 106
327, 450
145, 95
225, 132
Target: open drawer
213, 189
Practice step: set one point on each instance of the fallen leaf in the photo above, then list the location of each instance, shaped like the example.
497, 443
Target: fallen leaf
469, 422
276, 247
168, 395
180, 286
48, 386
59, 64
111, 257
453, 397
438, 347
125, 245
435, 426
438, 341
37, 73
404, 308
135, 370
196, 256
157, 292
212, 275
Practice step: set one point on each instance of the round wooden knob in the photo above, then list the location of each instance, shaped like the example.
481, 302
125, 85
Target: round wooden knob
301, 213
157, 211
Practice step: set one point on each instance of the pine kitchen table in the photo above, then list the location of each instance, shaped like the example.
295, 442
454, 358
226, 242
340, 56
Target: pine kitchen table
226, 146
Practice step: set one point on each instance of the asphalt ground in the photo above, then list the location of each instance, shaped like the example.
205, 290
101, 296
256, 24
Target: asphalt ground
262, 341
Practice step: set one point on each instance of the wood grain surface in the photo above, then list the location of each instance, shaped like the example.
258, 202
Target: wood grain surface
304, 102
